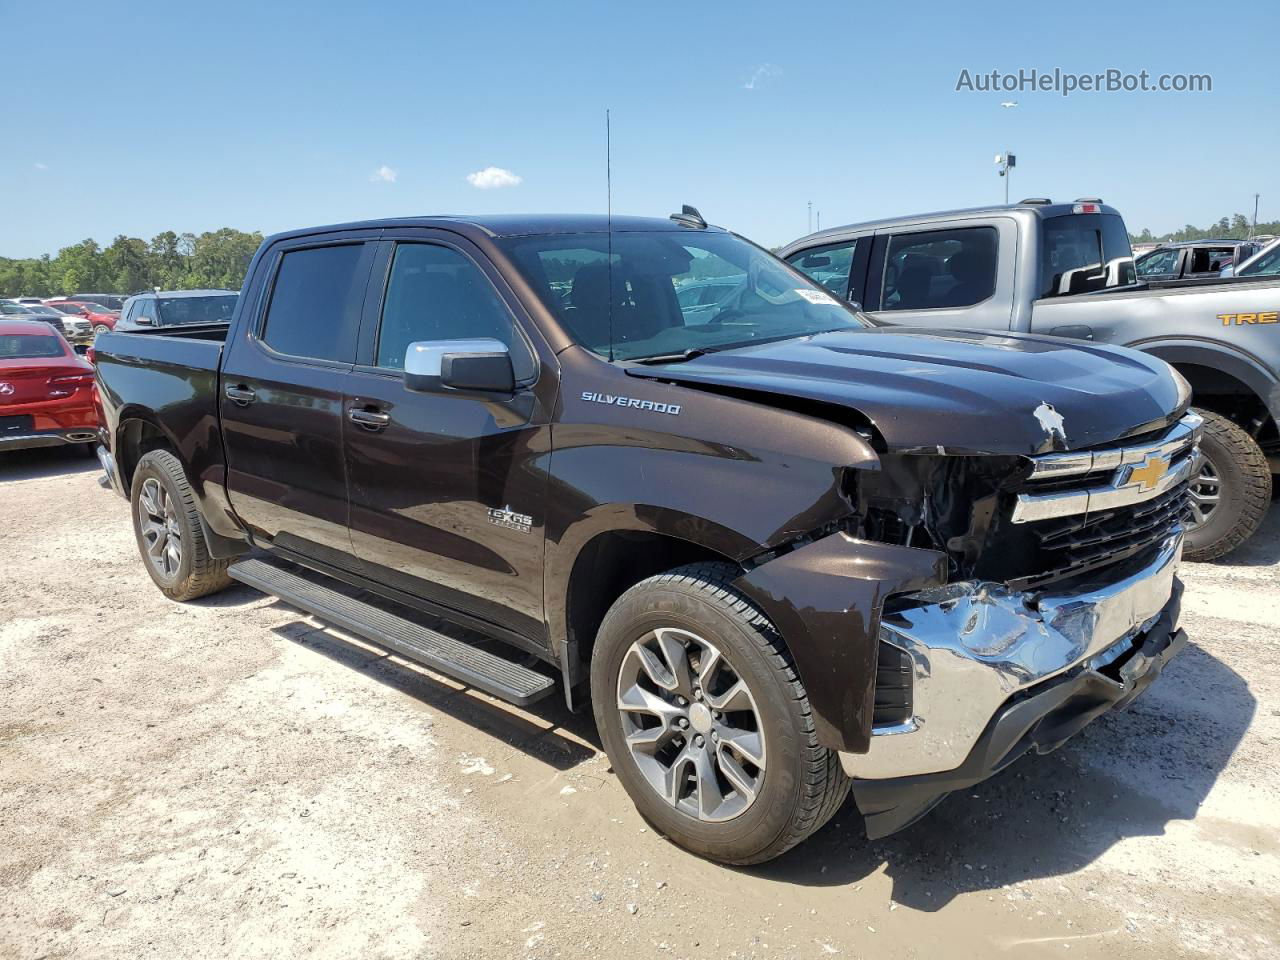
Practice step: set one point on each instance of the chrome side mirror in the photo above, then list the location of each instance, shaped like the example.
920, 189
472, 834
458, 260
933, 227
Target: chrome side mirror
482, 365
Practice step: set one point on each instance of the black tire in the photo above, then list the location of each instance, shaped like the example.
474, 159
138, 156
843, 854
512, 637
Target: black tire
1243, 479
196, 573
803, 785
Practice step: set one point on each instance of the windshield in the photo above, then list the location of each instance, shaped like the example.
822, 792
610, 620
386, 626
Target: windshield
176, 311
21, 346
672, 293
1083, 253
1267, 264
42, 311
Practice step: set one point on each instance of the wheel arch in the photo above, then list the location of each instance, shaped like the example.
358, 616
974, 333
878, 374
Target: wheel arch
609, 551
1223, 379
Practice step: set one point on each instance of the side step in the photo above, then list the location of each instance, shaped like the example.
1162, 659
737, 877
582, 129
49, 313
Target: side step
456, 658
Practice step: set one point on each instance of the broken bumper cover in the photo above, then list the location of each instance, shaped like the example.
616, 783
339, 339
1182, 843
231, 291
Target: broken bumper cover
996, 674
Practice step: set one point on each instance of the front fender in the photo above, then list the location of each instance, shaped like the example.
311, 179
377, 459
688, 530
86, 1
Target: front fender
825, 600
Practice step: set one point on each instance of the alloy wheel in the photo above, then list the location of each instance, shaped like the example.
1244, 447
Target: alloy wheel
691, 724
1205, 493
158, 522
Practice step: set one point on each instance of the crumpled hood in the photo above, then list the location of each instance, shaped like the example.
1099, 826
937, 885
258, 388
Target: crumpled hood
966, 391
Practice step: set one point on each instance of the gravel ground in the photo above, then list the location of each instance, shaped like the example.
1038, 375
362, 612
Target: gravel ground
228, 778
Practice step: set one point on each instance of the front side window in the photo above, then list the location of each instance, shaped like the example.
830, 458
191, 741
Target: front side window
667, 293
828, 265
145, 311
1084, 253
436, 293
176, 311
939, 269
1158, 263
314, 309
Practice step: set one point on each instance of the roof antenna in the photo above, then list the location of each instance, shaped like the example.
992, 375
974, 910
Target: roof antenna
608, 220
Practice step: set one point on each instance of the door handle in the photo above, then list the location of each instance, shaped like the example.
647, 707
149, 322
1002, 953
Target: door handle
371, 420
241, 395
1076, 331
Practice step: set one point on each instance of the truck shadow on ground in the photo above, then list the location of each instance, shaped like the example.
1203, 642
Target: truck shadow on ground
1051, 815
546, 731
44, 462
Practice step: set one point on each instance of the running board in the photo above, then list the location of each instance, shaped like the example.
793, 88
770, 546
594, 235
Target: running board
455, 658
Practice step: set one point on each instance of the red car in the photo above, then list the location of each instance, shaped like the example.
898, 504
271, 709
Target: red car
46, 390
102, 319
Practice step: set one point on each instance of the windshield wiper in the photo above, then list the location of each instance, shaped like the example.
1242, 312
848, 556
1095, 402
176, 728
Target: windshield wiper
680, 357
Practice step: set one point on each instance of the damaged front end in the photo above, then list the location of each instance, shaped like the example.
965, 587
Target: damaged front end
979, 607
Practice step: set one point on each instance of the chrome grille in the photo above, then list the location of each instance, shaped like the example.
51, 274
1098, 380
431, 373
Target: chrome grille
1095, 481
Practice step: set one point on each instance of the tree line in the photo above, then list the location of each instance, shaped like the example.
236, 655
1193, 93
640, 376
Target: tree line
1228, 228
171, 261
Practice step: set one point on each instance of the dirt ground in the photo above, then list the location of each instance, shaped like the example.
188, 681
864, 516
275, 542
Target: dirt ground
229, 779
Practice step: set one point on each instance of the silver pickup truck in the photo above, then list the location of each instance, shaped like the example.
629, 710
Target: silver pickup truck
1066, 269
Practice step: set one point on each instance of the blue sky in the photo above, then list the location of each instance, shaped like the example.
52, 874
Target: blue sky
275, 115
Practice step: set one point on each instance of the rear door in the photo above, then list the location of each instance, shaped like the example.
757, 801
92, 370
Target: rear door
945, 274
447, 491
282, 394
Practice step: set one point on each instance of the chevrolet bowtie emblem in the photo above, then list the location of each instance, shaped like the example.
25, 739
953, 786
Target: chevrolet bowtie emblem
1149, 473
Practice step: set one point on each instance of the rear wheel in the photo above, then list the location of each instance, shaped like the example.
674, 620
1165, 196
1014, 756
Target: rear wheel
101, 328
166, 524
706, 722
1231, 491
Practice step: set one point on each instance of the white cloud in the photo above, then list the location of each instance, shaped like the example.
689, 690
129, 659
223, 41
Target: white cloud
760, 74
383, 174
41, 166
491, 178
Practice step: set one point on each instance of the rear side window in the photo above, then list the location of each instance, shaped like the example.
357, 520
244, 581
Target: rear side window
828, 265
1266, 265
1084, 253
315, 303
939, 269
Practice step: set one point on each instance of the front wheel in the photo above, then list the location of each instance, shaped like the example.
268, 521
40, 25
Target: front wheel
166, 524
1230, 492
706, 722
101, 328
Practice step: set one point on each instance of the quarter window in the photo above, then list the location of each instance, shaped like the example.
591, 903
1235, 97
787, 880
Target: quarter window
314, 309
436, 293
939, 269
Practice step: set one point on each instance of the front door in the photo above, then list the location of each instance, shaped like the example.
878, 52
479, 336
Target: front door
447, 492
282, 397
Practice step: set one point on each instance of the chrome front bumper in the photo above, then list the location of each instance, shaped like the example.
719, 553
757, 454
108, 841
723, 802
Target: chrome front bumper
975, 645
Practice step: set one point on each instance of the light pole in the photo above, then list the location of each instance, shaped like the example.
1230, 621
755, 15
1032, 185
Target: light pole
1006, 163
810, 230
1255, 214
